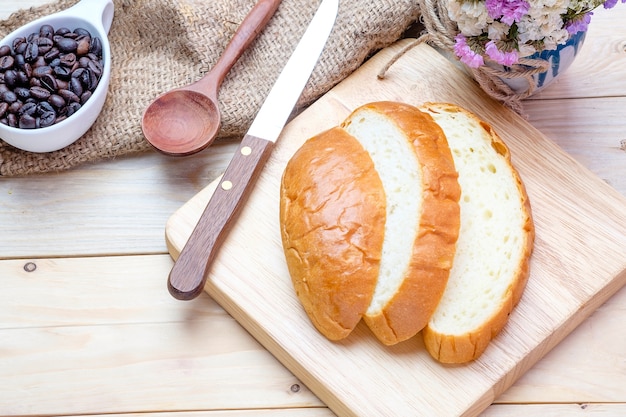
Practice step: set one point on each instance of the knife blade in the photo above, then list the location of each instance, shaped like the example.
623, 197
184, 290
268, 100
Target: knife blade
190, 271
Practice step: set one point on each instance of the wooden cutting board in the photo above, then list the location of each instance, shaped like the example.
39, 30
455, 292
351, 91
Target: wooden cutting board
579, 260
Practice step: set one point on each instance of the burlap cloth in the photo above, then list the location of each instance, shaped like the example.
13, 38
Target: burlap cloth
161, 44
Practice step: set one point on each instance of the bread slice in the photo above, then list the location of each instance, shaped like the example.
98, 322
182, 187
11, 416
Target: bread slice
492, 260
331, 207
369, 212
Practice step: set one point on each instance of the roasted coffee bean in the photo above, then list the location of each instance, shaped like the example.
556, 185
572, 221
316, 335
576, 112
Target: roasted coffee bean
85, 96
32, 51
10, 78
72, 108
62, 31
19, 61
15, 106
68, 60
52, 54
28, 108
17, 42
83, 45
44, 107
8, 97
27, 122
76, 86
47, 119
42, 71
56, 101
48, 76
56, 61
12, 119
69, 96
22, 78
49, 82
96, 46
66, 44
6, 62
45, 45
28, 71
84, 61
40, 62
39, 93
95, 67
22, 93
62, 84
62, 72
46, 31
82, 32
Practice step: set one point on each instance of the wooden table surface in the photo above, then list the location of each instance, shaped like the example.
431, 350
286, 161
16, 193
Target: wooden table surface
87, 326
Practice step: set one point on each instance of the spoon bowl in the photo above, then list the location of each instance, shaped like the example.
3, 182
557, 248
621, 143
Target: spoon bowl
187, 119
95, 16
182, 122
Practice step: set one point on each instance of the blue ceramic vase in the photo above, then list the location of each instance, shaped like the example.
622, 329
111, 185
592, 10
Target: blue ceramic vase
559, 59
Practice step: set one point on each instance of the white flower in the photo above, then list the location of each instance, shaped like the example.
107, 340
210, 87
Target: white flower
471, 17
498, 30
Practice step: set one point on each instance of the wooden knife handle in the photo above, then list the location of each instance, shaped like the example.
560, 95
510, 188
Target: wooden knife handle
189, 274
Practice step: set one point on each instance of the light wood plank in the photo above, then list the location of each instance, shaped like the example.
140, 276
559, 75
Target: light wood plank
289, 412
102, 335
538, 410
141, 367
590, 130
42, 293
556, 410
124, 329
107, 208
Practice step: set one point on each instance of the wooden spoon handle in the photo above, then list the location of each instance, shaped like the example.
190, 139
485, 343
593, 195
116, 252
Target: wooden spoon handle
190, 272
248, 30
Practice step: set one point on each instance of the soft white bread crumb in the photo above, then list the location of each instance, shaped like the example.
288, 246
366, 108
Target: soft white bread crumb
490, 267
399, 171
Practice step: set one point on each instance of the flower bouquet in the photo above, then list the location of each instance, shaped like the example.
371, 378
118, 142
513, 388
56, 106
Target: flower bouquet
502, 40
506, 30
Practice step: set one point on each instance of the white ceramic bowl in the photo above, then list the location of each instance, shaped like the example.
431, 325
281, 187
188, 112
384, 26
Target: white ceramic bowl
95, 16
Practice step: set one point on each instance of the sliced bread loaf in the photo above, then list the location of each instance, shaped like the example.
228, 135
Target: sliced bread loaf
369, 220
491, 264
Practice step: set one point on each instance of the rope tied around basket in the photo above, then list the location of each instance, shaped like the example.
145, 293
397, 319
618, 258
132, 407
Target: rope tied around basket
440, 31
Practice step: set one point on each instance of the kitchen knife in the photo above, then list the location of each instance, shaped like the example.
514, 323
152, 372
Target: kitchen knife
190, 271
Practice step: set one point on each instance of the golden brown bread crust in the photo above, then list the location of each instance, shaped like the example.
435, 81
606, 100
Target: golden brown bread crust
467, 347
433, 251
331, 207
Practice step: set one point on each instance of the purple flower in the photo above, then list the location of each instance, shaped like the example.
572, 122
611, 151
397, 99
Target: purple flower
579, 23
465, 53
507, 58
609, 4
508, 11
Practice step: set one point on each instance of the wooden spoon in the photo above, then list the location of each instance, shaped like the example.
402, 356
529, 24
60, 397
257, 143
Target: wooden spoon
186, 120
